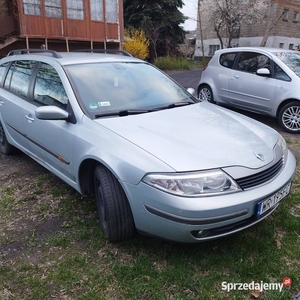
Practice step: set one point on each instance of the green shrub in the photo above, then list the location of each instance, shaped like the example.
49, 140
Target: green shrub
136, 43
176, 63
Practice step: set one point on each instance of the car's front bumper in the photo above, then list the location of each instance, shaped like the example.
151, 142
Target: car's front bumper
197, 219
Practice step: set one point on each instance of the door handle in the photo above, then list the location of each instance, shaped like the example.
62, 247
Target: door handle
1, 102
29, 118
236, 76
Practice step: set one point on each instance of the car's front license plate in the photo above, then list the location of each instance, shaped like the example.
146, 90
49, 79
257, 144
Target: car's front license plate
267, 204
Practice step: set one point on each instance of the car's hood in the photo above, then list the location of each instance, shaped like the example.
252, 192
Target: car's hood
199, 136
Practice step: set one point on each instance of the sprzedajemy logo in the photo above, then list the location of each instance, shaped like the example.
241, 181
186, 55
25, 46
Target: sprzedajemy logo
258, 286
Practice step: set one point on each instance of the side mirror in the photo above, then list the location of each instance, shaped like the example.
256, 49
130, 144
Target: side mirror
51, 113
191, 91
263, 72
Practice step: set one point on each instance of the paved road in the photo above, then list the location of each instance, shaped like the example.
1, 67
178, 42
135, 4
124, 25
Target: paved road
188, 78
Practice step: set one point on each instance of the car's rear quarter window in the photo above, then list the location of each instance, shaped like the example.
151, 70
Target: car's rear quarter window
227, 59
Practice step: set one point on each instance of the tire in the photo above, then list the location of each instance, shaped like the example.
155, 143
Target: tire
113, 207
5, 147
205, 94
289, 117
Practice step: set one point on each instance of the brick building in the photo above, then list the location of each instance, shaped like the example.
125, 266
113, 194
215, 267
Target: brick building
61, 24
285, 34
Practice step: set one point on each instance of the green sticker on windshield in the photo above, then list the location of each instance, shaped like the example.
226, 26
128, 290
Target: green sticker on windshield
93, 106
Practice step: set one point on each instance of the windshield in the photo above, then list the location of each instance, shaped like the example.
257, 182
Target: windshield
108, 88
291, 59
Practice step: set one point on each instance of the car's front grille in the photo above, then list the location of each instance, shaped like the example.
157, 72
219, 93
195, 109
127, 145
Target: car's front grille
261, 177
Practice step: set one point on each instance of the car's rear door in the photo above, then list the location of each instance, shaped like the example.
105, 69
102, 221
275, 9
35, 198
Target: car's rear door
248, 90
13, 99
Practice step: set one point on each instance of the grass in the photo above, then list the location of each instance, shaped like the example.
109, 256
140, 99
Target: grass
168, 63
52, 247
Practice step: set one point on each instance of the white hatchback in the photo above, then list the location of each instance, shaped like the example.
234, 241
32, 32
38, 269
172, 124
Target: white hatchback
261, 80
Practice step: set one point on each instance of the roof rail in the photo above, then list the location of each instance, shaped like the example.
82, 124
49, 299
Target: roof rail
104, 51
27, 51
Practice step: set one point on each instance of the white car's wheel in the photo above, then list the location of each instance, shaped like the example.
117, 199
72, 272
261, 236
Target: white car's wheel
289, 117
113, 207
205, 94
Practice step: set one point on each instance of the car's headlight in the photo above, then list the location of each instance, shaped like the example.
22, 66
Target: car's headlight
193, 184
282, 144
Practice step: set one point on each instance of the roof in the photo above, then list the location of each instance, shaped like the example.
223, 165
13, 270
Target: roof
67, 58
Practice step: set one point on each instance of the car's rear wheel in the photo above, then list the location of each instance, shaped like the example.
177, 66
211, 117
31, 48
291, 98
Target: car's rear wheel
113, 207
205, 94
289, 117
5, 147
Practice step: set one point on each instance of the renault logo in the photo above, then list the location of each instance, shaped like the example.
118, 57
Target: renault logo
259, 156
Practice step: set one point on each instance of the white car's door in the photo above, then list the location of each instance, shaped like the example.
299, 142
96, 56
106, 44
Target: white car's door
247, 89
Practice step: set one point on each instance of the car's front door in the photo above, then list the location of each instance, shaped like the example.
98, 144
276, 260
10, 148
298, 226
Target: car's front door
248, 90
50, 140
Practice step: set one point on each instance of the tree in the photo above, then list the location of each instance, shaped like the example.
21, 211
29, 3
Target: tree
230, 15
160, 19
200, 28
270, 22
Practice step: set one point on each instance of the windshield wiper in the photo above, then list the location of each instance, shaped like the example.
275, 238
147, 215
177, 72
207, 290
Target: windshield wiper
123, 113
176, 104
129, 112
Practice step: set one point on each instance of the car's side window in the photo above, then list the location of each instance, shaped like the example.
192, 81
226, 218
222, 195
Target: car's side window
3, 69
227, 59
18, 77
48, 89
280, 74
251, 61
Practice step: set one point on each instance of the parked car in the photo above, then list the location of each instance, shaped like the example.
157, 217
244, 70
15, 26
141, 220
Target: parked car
261, 80
158, 160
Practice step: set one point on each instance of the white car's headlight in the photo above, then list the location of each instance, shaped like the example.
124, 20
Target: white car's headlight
282, 144
193, 184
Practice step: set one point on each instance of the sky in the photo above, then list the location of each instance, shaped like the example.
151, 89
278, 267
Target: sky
190, 10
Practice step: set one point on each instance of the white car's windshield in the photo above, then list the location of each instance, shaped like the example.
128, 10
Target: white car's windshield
291, 59
109, 88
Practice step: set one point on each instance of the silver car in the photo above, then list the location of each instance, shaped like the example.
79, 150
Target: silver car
158, 160
261, 80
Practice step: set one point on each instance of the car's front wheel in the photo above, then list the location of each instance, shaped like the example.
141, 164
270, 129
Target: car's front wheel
113, 207
289, 117
5, 147
205, 94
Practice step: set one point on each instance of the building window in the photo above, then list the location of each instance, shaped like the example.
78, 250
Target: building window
53, 9
32, 7
96, 10
285, 15
213, 49
296, 17
281, 45
112, 11
291, 46
75, 9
